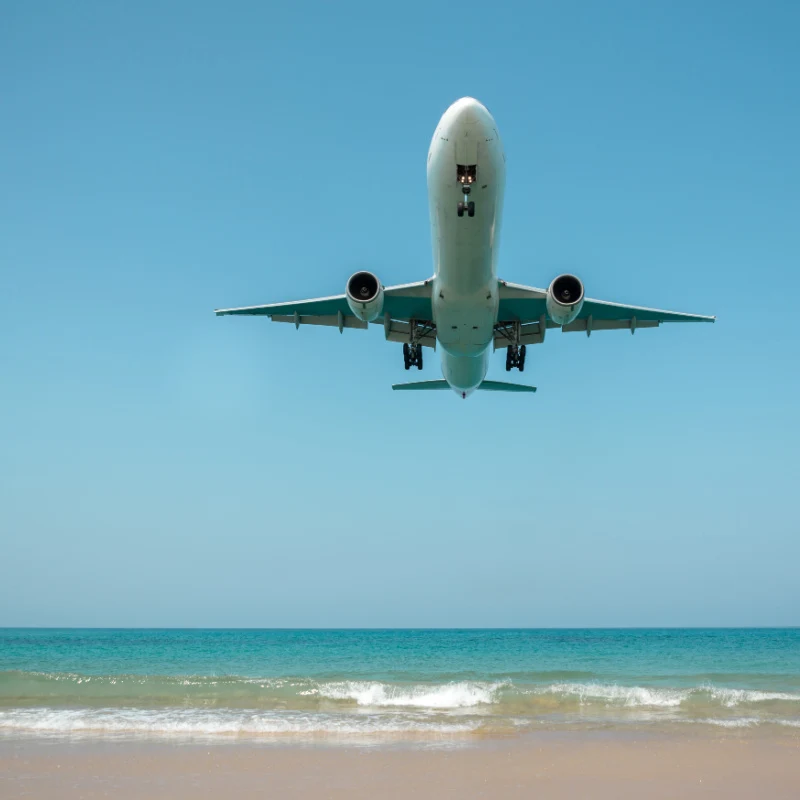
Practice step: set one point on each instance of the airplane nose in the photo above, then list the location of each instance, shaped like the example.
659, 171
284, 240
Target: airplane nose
468, 111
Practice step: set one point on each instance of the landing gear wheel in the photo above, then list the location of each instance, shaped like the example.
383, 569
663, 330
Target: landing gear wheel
412, 355
471, 208
461, 209
515, 357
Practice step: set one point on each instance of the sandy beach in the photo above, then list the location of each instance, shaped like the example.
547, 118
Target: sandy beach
549, 766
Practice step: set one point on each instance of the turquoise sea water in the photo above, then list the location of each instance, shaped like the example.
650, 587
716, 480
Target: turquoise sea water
379, 684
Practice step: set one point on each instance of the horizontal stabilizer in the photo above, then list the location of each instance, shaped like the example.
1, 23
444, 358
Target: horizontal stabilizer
420, 386
486, 386
499, 386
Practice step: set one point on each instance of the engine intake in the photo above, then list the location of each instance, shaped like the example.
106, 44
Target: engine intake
564, 299
365, 296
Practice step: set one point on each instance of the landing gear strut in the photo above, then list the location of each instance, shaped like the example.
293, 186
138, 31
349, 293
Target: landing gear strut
412, 355
515, 352
515, 357
412, 349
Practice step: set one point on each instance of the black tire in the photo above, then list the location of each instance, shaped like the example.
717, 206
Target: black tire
471, 208
406, 358
460, 209
419, 357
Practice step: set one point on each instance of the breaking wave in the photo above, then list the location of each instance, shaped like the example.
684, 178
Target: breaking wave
204, 705
462, 694
631, 696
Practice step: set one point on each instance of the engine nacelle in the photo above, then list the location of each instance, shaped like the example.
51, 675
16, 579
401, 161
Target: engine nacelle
365, 296
564, 299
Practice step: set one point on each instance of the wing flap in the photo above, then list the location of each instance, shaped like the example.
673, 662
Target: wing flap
590, 324
332, 321
399, 331
529, 332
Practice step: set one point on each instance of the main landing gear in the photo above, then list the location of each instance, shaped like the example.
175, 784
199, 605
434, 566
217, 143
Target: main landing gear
412, 355
412, 349
515, 352
515, 357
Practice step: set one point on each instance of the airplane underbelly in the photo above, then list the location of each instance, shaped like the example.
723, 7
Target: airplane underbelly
467, 245
466, 173
465, 297
465, 327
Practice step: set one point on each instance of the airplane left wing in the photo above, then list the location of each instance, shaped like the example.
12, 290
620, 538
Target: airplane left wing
526, 305
401, 305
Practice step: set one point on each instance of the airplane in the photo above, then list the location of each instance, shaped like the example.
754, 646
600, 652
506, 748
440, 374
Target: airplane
465, 309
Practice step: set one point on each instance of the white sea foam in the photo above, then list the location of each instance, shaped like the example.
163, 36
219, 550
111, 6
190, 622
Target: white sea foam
461, 694
734, 697
643, 696
195, 722
739, 722
611, 693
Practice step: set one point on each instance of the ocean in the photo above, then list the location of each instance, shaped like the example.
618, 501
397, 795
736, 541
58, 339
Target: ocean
374, 686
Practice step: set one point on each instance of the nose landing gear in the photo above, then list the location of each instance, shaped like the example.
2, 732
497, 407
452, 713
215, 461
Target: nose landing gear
466, 175
469, 207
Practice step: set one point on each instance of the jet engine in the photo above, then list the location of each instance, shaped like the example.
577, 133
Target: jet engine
564, 299
365, 296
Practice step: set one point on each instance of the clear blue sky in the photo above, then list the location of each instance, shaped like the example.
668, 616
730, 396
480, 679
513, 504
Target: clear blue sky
160, 466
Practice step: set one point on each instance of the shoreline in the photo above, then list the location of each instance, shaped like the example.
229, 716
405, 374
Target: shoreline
601, 764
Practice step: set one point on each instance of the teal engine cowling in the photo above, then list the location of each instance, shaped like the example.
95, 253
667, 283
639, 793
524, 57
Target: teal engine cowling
365, 296
564, 299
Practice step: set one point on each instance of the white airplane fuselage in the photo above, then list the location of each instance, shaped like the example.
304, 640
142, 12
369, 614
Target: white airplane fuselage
465, 289
465, 306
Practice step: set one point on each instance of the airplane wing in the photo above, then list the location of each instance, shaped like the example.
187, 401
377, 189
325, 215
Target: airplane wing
401, 304
526, 305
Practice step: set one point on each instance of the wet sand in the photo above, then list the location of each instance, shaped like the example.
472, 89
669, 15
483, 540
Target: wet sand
547, 766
